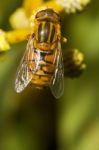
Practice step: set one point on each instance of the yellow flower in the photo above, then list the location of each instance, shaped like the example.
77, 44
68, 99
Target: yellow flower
19, 19
74, 63
30, 5
4, 45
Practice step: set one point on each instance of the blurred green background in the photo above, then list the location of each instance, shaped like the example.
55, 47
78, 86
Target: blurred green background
34, 119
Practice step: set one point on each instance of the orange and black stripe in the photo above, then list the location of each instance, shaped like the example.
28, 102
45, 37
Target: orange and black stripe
45, 68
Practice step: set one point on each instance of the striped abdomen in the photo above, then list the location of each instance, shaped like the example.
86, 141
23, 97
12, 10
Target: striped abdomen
44, 67
46, 32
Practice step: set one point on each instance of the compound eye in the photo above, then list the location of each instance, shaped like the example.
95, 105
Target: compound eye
40, 14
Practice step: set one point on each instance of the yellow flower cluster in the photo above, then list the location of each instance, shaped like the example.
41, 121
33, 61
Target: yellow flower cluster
19, 19
4, 45
75, 64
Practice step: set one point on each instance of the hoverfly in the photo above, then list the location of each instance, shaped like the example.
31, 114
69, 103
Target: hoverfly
42, 63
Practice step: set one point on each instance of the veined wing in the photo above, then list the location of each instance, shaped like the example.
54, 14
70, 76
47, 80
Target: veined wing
24, 75
57, 83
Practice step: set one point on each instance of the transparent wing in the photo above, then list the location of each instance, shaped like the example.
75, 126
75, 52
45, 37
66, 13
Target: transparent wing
57, 83
24, 76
